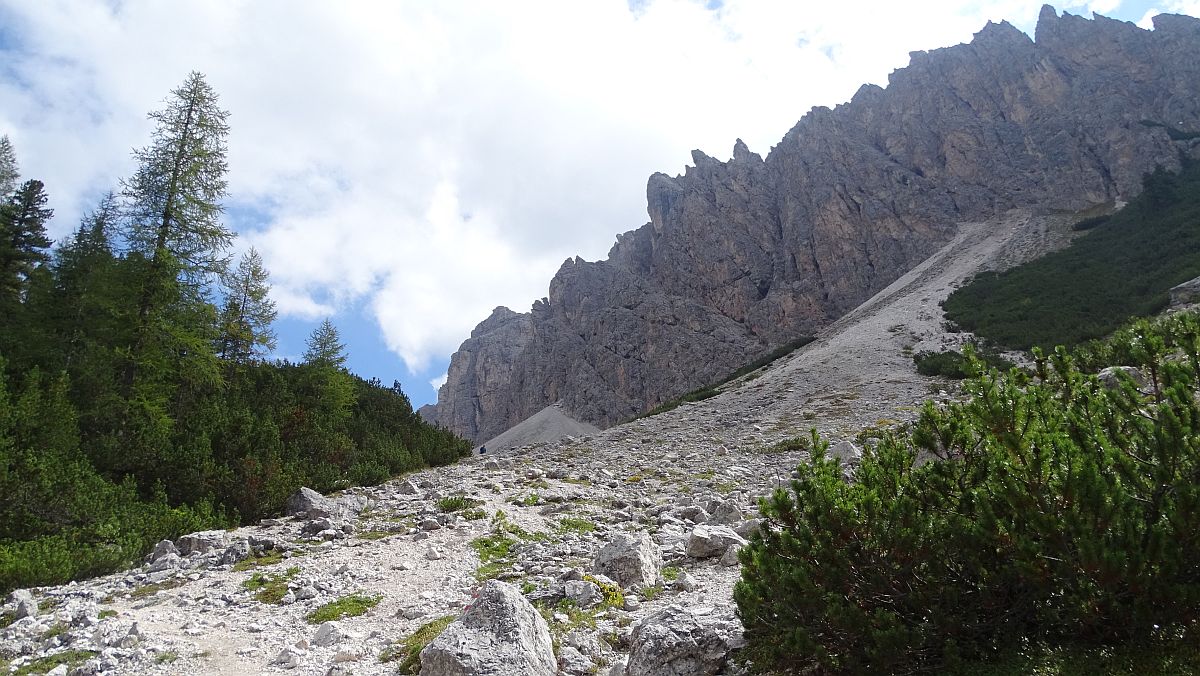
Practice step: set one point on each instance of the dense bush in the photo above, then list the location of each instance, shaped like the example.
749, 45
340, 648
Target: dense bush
953, 364
1047, 509
1119, 269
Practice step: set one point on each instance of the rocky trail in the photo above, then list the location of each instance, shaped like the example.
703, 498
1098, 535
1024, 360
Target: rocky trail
625, 540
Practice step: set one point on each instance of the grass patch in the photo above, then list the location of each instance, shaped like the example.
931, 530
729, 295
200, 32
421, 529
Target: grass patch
70, 658
57, 629
347, 606
7, 618
495, 555
258, 562
573, 525
409, 650
374, 534
107, 613
166, 658
671, 573
651, 593
148, 590
474, 514
455, 503
270, 588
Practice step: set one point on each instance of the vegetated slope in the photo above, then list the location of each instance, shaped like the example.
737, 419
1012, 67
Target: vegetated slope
745, 255
1120, 268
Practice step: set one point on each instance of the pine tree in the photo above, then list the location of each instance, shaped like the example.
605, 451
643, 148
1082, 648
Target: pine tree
8, 167
23, 238
246, 317
324, 346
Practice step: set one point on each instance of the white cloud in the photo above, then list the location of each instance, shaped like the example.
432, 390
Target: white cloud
438, 159
437, 382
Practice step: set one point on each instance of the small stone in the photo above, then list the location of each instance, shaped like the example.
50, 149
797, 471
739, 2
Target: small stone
288, 658
329, 633
434, 554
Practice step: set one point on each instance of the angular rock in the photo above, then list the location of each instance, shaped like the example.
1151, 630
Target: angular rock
575, 663
672, 642
585, 594
500, 634
309, 504
633, 561
163, 548
165, 562
329, 633
709, 541
1110, 378
202, 542
235, 552
846, 452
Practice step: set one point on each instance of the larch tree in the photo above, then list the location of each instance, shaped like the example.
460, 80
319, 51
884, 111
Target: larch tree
174, 198
324, 346
173, 221
248, 311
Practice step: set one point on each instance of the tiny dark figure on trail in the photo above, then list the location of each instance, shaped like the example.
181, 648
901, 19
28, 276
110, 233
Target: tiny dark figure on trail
482, 450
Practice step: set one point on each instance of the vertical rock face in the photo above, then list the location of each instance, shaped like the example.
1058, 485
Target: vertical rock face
743, 255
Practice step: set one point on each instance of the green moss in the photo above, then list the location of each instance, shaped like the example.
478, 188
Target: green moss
347, 606
107, 613
671, 573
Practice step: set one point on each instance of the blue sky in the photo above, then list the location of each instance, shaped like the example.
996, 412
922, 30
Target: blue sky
405, 167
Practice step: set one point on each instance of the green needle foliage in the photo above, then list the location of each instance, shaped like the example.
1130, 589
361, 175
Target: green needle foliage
133, 407
1046, 509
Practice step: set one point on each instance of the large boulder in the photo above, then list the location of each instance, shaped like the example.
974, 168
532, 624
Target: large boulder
672, 642
709, 541
202, 542
500, 634
633, 561
309, 504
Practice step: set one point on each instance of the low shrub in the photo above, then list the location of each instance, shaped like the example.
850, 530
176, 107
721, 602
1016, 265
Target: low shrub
1053, 512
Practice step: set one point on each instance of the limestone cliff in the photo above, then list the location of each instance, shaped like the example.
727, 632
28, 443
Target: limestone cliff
743, 255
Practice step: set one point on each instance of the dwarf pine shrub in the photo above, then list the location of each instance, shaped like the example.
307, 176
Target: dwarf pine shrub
1046, 509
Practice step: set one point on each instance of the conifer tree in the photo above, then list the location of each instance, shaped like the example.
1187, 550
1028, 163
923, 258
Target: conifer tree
248, 312
23, 240
173, 210
324, 346
175, 195
8, 167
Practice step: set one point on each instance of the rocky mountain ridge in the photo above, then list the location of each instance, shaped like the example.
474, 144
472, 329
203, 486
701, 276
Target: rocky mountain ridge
744, 255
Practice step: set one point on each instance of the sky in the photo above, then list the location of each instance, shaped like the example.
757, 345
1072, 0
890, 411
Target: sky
404, 167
